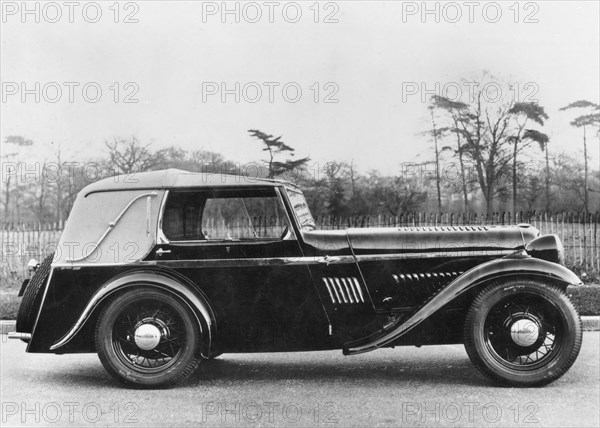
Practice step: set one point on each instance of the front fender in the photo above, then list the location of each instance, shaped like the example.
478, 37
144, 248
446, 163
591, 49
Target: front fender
197, 303
515, 265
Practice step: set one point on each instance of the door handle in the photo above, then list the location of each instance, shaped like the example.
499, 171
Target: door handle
328, 259
160, 252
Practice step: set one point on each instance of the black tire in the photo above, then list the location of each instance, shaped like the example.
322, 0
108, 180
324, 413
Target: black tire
32, 298
162, 353
522, 333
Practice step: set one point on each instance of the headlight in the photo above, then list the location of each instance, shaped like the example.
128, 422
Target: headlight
547, 247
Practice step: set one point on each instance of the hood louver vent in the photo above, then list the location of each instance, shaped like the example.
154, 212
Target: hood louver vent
344, 290
443, 229
404, 277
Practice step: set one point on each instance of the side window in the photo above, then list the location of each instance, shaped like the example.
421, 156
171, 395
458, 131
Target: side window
225, 215
182, 219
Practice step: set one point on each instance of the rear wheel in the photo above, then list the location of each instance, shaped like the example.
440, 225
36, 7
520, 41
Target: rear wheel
522, 333
148, 338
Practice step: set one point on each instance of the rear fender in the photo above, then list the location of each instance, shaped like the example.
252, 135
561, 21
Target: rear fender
514, 265
197, 302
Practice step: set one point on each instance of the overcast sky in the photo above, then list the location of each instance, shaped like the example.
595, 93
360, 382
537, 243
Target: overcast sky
181, 52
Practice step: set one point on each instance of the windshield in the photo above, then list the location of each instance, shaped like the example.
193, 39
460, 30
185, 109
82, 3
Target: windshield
300, 207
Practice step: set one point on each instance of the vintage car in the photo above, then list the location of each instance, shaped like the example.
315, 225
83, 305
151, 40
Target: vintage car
159, 271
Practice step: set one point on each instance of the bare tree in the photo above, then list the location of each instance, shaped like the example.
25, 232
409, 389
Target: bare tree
58, 181
490, 137
484, 133
400, 195
585, 121
128, 156
435, 133
524, 112
39, 192
19, 142
542, 140
336, 194
454, 109
353, 176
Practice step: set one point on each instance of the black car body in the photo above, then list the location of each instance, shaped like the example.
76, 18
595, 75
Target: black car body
161, 270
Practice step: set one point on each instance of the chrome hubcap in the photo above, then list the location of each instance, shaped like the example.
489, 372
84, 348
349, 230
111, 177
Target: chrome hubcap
524, 332
147, 337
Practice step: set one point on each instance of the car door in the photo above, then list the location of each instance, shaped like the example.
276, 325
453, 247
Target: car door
238, 246
336, 275
345, 297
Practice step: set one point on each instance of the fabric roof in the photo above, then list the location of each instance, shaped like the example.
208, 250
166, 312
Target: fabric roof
175, 178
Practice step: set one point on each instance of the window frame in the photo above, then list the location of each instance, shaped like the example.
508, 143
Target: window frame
162, 239
297, 222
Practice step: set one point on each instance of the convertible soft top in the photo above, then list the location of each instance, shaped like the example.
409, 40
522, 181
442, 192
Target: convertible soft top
175, 178
110, 227
114, 220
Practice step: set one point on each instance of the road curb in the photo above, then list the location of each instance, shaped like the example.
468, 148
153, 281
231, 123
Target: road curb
589, 323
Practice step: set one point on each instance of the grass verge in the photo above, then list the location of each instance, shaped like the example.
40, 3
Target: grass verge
586, 299
9, 305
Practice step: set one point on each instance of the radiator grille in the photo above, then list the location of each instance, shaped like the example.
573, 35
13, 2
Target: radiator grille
344, 290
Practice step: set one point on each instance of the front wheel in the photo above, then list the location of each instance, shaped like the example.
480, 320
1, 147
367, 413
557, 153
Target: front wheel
522, 333
148, 338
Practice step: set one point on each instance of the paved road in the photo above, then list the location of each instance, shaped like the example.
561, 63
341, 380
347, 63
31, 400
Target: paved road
429, 386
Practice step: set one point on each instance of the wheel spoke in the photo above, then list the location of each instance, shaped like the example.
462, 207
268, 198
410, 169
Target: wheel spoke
506, 331
165, 320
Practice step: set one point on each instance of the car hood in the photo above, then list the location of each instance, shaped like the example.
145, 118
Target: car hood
421, 239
